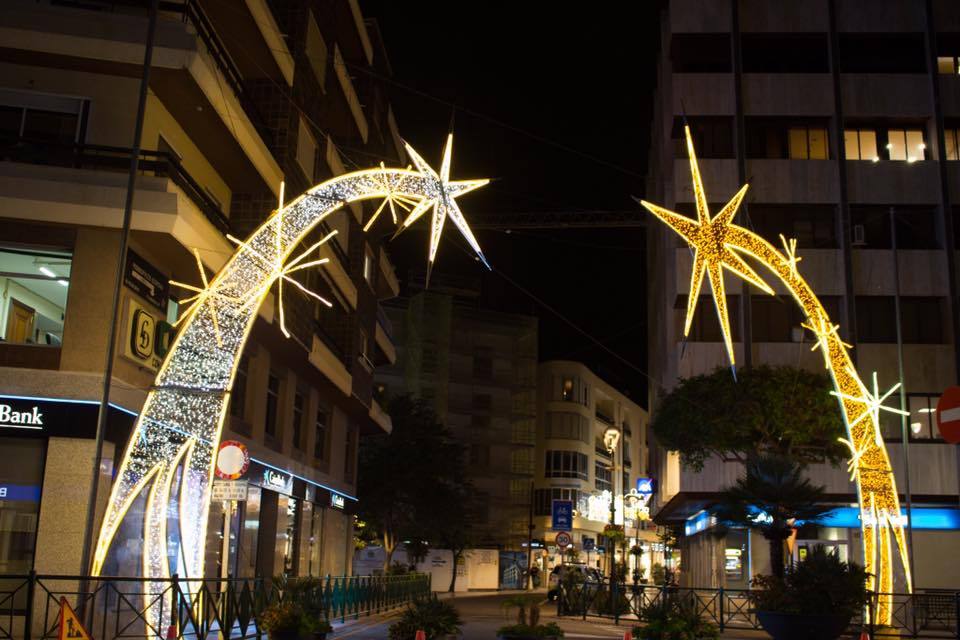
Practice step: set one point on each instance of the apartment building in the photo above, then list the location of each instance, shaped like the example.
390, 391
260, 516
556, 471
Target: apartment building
242, 96
843, 116
478, 368
575, 408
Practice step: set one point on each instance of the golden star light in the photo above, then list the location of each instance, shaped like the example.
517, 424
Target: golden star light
206, 297
442, 198
718, 243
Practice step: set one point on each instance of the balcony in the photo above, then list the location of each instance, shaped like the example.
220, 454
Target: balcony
383, 336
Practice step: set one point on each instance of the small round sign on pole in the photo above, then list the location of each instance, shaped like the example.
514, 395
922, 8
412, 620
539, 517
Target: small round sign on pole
564, 540
233, 460
948, 415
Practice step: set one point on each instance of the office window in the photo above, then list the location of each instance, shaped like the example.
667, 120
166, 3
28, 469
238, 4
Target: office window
566, 464
238, 397
712, 136
921, 320
273, 401
299, 406
876, 320
950, 144
543, 499
860, 144
775, 319
807, 143
784, 53
603, 476
320, 433
700, 53
922, 421
906, 144
35, 285
882, 53
916, 227
813, 226
705, 326
948, 65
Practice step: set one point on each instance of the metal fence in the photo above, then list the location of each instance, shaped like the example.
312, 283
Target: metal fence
117, 608
928, 614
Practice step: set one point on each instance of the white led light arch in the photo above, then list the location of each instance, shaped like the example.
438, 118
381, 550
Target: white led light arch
181, 422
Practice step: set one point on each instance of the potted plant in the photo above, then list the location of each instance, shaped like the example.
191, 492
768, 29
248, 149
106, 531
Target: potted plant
815, 598
437, 618
283, 620
528, 625
307, 592
673, 619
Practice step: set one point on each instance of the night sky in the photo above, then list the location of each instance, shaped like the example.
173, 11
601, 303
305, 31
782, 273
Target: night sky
554, 104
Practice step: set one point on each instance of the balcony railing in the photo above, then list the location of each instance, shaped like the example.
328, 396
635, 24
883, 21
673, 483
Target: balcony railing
104, 158
604, 418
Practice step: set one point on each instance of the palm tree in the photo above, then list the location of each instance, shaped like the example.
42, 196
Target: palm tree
772, 497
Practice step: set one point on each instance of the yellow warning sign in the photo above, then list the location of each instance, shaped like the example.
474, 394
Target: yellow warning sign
70, 626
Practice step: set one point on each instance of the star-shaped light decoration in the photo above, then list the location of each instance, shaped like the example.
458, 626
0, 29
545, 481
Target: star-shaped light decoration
825, 332
280, 269
207, 293
873, 405
707, 237
392, 198
443, 200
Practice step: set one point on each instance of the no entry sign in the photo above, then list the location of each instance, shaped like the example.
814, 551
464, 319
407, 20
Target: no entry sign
948, 415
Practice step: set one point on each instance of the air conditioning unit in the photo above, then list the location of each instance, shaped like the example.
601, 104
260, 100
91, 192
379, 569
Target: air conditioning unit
859, 235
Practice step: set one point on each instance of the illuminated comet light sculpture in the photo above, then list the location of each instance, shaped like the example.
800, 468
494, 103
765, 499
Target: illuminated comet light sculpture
718, 244
169, 459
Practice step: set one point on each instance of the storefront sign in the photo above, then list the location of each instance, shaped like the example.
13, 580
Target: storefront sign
148, 337
42, 417
20, 492
270, 478
146, 281
337, 501
13, 418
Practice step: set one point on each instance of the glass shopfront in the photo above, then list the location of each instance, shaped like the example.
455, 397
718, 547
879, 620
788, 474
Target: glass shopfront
21, 477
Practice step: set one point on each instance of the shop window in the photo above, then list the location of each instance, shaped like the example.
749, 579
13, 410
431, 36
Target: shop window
21, 478
922, 320
36, 284
951, 145
860, 144
299, 407
906, 144
876, 320
712, 136
603, 476
273, 402
320, 422
238, 397
701, 53
566, 464
785, 53
882, 53
543, 499
813, 226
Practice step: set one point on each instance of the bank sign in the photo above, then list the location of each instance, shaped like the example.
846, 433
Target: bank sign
42, 417
15, 418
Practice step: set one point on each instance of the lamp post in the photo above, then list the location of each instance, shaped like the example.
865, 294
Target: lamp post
610, 439
631, 499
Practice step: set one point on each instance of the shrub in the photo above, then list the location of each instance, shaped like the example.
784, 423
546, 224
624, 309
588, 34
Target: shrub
435, 617
281, 617
550, 630
673, 619
817, 584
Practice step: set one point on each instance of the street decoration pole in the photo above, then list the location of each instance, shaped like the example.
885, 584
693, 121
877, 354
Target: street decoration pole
719, 244
170, 454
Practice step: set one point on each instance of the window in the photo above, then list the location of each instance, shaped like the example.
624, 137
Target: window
22, 470
774, 138
906, 144
921, 320
916, 227
813, 226
807, 143
922, 422
566, 391
785, 53
320, 434
706, 327
521, 461
951, 143
306, 151
543, 499
701, 53
273, 400
368, 266
566, 464
860, 144
948, 65
299, 407
775, 319
882, 53
567, 426
876, 321
480, 455
35, 285
520, 493
603, 477
238, 398
41, 117
483, 363
712, 136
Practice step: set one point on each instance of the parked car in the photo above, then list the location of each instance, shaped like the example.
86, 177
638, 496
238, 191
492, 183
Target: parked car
589, 574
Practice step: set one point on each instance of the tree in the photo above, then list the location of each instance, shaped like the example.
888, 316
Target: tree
782, 410
400, 473
451, 520
772, 497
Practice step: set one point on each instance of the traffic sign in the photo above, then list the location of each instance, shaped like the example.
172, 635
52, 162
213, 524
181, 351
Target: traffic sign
589, 544
224, 490
233, 460
562, 515
564, 540
948, 415
645, 486
70, 626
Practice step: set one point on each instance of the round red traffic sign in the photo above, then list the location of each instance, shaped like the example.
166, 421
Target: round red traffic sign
564, 540
233, 460
948, 415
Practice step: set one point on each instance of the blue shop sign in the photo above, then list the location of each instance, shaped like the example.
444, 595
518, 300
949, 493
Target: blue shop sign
20, 492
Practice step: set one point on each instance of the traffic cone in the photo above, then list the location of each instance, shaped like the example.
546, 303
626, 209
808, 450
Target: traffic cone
172, 632
864, 635
627, 635
421, 635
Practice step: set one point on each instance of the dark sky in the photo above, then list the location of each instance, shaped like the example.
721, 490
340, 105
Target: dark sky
528, 79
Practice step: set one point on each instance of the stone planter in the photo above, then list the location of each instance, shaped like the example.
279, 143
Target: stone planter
792, 626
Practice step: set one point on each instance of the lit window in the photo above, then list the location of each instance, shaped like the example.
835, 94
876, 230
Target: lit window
35, 286
807, 143
951, 139
906, 144
860, 144
567, 390
948, 64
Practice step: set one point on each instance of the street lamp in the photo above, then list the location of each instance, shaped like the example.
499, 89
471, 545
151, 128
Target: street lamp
610, 439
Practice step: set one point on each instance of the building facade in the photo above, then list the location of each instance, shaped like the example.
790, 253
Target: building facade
478, 368
242, 97
842, 115
575, 408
